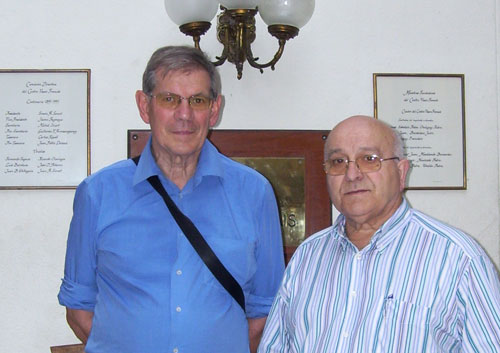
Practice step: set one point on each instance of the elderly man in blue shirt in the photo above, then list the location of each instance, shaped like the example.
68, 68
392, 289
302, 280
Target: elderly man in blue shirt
132, 280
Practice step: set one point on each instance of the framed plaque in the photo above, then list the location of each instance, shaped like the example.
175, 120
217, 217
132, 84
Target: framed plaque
428, 110
45, 141
291, 160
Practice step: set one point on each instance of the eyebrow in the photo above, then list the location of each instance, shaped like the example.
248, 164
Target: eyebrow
176, 94
373, 150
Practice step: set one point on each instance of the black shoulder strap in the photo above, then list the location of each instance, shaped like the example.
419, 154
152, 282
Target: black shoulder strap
199, 243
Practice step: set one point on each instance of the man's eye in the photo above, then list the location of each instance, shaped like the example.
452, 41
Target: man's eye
370, 158
198, 100
168, 99
337, 161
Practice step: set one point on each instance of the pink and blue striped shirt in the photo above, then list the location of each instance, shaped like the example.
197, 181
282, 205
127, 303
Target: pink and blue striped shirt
419, 286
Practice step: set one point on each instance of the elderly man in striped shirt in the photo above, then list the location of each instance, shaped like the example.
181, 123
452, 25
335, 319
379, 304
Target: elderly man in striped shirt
384, 277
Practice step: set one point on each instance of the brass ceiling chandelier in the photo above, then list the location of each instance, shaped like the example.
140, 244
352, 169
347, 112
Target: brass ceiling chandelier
236, 25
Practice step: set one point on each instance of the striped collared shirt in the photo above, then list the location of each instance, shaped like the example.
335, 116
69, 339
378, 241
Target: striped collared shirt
419, 286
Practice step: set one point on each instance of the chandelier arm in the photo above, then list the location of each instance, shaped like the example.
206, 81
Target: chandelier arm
196, 40
225, 51
253, 61
195, 30
221, 59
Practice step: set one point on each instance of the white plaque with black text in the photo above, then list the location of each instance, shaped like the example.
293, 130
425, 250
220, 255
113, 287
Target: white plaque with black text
45, 119
428, 110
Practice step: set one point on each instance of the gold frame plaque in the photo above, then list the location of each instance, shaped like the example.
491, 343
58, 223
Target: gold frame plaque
291, 160
428, 110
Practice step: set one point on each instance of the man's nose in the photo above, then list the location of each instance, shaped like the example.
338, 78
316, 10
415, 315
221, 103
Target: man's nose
352, 172
184, 110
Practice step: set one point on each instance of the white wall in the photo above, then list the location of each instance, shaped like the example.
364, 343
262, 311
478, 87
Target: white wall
324, 76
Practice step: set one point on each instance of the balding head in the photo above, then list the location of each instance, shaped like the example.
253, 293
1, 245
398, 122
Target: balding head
368, 196
375, 125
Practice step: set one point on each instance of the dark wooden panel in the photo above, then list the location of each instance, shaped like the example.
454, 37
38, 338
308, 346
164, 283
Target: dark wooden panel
70, 348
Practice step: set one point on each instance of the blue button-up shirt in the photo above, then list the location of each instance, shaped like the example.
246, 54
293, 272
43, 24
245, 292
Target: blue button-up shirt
129, 263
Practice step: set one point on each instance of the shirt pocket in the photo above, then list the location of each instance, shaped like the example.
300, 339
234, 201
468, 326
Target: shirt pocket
404, 328
237, 256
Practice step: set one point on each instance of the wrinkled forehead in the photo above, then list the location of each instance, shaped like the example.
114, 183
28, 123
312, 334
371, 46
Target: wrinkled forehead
163, 74
355, 137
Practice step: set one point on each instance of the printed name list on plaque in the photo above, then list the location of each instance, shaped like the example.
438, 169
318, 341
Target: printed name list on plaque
428, 111
45, 135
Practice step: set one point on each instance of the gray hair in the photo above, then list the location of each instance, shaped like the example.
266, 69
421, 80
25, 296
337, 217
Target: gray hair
183, 58
398, 144
397, 140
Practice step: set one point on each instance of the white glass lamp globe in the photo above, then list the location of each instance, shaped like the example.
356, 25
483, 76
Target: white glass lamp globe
294, 13
240, 4
186, 11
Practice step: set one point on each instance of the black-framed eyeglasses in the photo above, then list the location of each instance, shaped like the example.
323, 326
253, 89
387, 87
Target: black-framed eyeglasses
366, 164
169, 100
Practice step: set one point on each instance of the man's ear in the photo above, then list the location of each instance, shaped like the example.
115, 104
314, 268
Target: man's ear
215, 111
403, 167
142, 101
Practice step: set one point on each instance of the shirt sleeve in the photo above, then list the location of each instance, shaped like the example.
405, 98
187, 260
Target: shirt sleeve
269, 256
479, 294
276, 338
78, 289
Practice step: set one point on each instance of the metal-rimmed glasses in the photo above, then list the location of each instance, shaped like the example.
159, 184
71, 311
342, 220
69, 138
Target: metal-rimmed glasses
169, 100
366, 164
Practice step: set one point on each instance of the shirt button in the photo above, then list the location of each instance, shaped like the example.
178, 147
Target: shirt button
179, 272
358, 256
178, 309
345, 334
353, 293
175, 350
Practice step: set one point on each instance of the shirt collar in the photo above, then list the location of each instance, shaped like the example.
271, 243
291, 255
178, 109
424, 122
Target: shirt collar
391, 229
385, 234
339, 231
208, 164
